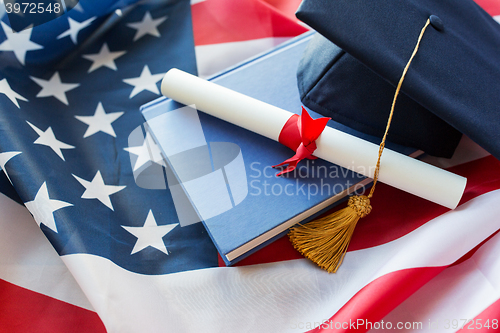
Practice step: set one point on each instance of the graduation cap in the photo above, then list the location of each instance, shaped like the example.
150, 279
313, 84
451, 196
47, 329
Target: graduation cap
452, 86
364, 80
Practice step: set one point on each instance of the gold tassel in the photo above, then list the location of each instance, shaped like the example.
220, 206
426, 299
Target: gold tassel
325, 240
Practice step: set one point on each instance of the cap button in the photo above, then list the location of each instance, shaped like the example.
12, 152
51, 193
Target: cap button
436, 22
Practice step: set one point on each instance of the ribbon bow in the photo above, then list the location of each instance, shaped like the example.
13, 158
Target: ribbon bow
300, 134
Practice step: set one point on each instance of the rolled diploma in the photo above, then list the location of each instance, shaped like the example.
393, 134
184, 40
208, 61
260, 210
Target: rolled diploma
398, 170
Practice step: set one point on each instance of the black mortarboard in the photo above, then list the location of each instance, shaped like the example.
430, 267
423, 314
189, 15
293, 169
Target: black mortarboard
452, 83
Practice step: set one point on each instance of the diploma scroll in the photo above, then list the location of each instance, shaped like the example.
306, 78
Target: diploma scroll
398, 170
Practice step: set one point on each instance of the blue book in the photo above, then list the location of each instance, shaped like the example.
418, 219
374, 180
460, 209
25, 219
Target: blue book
221, 175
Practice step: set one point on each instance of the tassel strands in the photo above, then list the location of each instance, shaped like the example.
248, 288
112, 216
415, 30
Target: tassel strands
325, 240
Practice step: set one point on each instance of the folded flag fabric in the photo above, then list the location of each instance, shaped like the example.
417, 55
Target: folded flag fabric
49, 42
226, 32
64, 143
68, 116
37, 292
72, 125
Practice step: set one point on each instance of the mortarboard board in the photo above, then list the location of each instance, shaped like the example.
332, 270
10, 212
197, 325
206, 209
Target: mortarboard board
453, 82
337, 85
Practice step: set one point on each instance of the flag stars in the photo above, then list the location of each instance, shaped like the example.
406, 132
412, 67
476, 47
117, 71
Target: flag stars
96, 189
148, 26
100, 121
11, 94
146, 81
104, 58
150, 234
47, 138
6, 157
18, 42
149, 151
75, 28
54, 87
43, 207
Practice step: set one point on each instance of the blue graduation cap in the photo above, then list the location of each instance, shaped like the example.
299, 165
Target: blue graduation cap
449, 87
452, 86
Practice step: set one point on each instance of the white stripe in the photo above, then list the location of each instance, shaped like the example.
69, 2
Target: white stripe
272, 297
28, 260
214, 58
461, 291
446, 238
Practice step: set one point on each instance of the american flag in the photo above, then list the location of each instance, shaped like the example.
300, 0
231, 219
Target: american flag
69, 98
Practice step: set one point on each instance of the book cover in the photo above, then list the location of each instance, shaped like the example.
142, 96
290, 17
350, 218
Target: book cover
221, 174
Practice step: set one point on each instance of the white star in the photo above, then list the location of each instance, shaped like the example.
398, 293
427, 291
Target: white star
75, 28
150, 234
144, 82
11, 94
96, 189
103, 58
4, 158
148, 25
18, 42
54, 87
48, 139
43, 207
100, 121
149, 151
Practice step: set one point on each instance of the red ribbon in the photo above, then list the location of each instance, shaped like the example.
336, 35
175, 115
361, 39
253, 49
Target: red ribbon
300, 134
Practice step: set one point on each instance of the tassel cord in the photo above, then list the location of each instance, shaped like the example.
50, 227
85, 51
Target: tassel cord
398, 88
325, 241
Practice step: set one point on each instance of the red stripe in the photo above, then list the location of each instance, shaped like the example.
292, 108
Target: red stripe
489, 317
395, 213
223, 21
491, 6
23, 310
287, 7
377, 299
